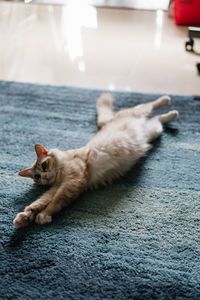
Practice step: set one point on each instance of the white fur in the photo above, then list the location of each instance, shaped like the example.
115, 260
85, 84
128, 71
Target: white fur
119, 145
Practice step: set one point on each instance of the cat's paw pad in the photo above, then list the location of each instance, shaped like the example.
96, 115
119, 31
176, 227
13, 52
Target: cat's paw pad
42, 218
21, 220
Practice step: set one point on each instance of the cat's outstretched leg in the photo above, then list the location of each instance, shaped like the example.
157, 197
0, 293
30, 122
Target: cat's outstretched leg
160, 102
45, 216
104, 109
55, 206
168, 117
28, 215
23, 219
65, 194
155, 124
144, 109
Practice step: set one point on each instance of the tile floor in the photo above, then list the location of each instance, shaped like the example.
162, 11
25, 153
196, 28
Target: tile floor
95, 47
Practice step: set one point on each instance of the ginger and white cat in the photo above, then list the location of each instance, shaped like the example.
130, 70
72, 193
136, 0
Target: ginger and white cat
122, 139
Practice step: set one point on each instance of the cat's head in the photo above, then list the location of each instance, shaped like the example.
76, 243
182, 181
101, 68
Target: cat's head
44, 169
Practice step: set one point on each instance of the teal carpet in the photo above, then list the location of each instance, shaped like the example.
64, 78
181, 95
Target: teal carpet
136, 239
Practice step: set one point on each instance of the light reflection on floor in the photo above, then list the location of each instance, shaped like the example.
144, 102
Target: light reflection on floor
94, 47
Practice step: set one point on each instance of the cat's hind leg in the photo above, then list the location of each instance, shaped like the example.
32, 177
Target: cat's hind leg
168, 117
160, 102
155, 124
154, 128
104, 109
144, 109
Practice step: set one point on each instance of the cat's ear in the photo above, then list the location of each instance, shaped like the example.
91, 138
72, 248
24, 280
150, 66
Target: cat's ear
40, 150
26, 173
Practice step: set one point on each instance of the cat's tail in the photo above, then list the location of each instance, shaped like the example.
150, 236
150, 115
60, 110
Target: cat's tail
104, 109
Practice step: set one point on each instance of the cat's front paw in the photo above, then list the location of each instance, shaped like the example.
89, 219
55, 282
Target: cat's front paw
21, 220
42, 218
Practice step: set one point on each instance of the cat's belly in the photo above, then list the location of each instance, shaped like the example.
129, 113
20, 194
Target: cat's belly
115, 149
104, 167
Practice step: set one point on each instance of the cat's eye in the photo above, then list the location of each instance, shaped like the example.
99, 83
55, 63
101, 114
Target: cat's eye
37, 176
44, 166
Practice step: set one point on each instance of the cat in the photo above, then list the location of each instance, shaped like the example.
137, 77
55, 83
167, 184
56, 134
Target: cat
122, 139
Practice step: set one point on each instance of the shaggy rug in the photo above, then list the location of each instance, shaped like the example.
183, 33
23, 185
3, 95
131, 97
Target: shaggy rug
136, 239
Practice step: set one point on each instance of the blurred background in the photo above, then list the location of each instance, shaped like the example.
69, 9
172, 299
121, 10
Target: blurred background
129, 45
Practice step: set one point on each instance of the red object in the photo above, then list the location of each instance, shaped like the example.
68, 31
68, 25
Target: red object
187, 12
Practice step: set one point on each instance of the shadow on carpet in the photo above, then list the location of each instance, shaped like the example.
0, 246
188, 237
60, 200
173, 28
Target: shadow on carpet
136, 239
